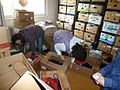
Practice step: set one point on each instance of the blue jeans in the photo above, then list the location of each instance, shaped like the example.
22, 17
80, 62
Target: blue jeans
40, 42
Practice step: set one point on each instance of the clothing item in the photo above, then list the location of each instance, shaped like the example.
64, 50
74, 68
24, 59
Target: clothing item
32, 33
111, 74
63, 36
64, 41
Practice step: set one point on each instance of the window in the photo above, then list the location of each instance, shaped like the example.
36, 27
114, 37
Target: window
37, 6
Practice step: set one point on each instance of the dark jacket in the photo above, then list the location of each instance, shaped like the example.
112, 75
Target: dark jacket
111, 72
31, 33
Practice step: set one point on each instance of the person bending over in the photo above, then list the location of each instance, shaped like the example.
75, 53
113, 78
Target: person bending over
30, 34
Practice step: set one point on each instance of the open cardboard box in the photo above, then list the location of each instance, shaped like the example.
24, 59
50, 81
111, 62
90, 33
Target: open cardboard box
12, 68
50, 77
53, 62
30, 82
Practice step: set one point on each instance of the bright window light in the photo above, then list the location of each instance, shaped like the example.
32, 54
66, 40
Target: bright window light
37, 6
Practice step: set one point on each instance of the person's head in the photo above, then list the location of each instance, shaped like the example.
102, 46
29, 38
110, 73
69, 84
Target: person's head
79, 52
18, 41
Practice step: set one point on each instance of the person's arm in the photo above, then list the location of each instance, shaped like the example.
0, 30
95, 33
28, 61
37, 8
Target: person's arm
106, 69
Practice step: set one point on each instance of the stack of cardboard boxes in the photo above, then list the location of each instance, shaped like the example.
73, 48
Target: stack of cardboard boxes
23, 18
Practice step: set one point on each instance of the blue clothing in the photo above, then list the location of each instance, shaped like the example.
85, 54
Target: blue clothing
63, 36
111, 74
32, 33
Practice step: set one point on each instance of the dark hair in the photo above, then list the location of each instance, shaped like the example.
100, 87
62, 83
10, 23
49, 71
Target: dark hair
79, 52
16, 37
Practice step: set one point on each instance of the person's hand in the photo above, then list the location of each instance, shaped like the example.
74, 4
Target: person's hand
96, 75
101, 80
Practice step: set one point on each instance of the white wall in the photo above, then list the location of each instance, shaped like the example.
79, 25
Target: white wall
51, 9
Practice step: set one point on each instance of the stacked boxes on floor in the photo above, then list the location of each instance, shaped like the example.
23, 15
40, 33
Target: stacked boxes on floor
23, 18
4, 42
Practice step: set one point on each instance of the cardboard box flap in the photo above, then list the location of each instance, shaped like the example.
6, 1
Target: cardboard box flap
12, 68
30, 82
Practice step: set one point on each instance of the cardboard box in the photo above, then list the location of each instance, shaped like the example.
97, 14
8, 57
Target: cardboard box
30, 82
49, 65
12, 68
107, 38
90, 37
21, 25
68, 26
117, 41
78, 33
69, 18
82, 7
113, 4
4, 35
104, 47
112, 16
51, 76
83, 17
114, 51
4, 52
23, 16
98, 0
71, 2
80, 25
63, 2
96, 8
71, 10
92, 28
59, 24
62, 9
95, 19
61, 17
111, 27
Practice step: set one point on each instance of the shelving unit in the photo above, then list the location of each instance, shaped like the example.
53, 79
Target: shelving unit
109, 40
66, 14
89, 19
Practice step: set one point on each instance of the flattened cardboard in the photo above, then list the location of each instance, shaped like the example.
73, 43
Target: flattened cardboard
78, 33
111, 27
64, 84
90, 37
107, 38
112, 16
95, 19
52, 66
59, 24
15, 65
117, 41
80, 25
62, 9
104, 47
83, 17
96, 8
30, 82
82, 7
92, 28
